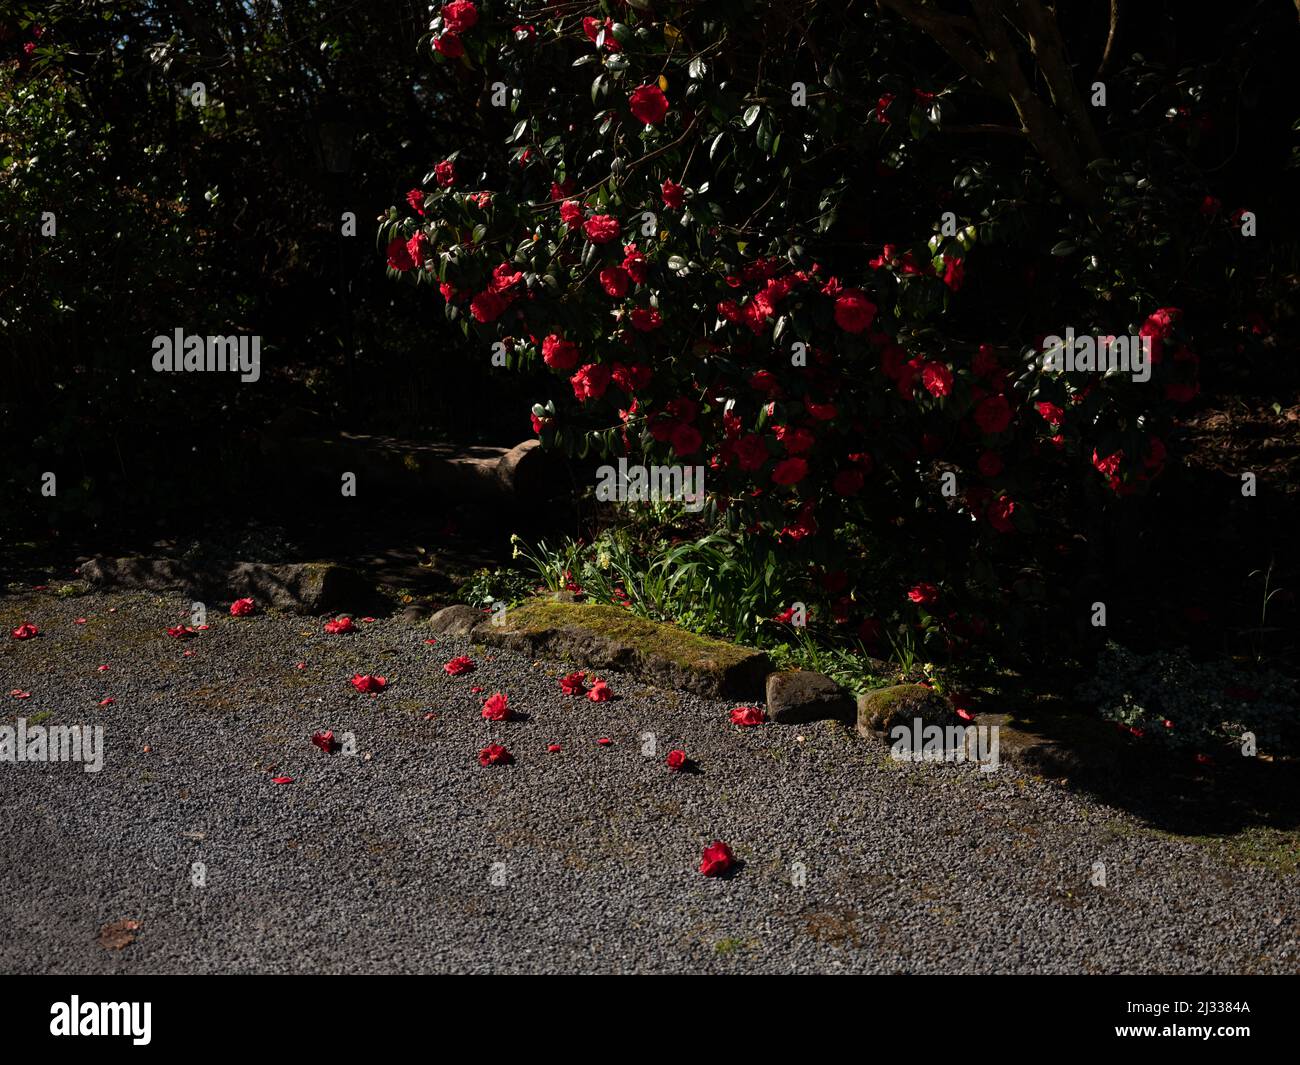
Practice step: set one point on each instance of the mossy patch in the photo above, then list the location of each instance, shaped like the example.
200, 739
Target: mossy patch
656, 638
1260, 845
883, 709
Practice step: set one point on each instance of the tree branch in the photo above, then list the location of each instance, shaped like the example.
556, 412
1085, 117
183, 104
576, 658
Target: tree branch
1110, 36
1048, 49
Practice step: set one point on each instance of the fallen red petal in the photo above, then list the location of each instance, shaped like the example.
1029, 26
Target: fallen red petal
716, 859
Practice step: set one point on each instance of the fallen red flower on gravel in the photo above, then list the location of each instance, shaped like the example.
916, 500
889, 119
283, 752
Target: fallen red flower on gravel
78, 621
339, 626
600, 692
460, 664
573, 683
107, 701
496, 708
25, 631
18, 693
747, 715
324, 740
102, 669
676, 760
604, 741
494, 754
241, 608
716, 859
180, 632
554, 748
282, 780
368, 684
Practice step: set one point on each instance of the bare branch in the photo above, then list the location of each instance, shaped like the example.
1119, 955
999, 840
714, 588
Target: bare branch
1110, 36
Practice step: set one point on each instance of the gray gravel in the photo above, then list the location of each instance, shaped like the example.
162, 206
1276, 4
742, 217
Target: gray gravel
410, 856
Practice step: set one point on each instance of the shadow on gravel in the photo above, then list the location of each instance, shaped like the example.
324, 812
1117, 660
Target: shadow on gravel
1171, 792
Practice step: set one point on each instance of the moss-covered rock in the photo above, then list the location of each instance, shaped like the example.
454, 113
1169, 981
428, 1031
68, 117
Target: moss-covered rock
597, 636
883, 709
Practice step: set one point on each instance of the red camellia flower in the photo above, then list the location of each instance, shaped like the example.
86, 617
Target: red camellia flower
674, 195
937, 379
999, 514
646, 320
559, 354
790, 471
488, 306
449, 44
635, 264
853, 311
1052, 414
590, 382
459, 665
993, 414
459, 16
241, 608
717, 859
495, 708
571, 213
416, 199
796, 441
923, 593
416, 248
954, 271
592, 27
324, 740
686, 440
676, 760
368, 684
494, 754
648, 104
601, 228
339, 626
445, 173
573, 683
25, 631
600, 692
399, 258
614, 280
747, 716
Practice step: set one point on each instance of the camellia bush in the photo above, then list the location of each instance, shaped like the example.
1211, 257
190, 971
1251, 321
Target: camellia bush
815, 248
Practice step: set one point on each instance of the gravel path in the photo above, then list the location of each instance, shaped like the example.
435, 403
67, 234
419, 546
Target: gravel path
410, 856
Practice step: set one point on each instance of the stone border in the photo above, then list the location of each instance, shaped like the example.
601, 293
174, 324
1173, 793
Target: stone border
597, 636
